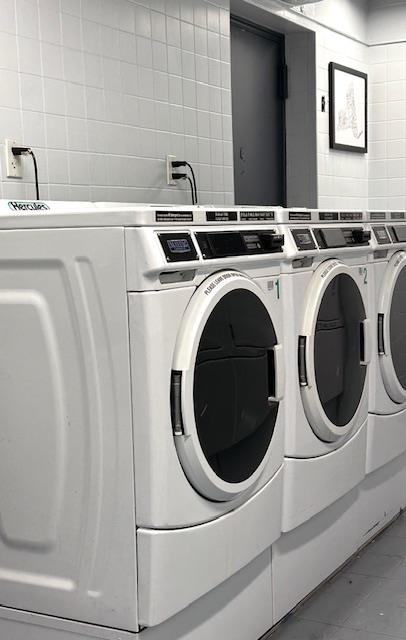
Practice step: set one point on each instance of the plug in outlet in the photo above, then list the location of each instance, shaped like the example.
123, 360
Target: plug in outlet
169, 170
14, 167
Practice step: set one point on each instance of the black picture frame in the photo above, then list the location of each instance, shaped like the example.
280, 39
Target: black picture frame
334, 143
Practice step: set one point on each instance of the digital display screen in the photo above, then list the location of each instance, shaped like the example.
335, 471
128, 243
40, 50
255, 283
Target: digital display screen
400, 233
333, 238
179, 245
303, 238
381, 235
397, 215
377, 215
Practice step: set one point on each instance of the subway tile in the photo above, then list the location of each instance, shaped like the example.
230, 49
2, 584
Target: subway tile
75, 100
173, 32
187, 36
91, 37
32, 95
73, 66
77, 134
9, 89
27, 18
51, 58
144, 52
55, 129
158, 26
10, 123
33, 128
29, 56
8, 51
50, 26
71, 31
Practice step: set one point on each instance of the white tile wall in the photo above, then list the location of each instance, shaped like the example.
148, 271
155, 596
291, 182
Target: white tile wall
104, 89
342, 176
387, 116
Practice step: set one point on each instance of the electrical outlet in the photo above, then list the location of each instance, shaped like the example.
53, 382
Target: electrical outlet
14, 167
169, 170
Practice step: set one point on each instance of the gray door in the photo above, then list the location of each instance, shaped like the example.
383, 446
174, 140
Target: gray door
257, 66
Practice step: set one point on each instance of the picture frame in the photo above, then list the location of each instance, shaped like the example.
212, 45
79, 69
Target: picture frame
348, 109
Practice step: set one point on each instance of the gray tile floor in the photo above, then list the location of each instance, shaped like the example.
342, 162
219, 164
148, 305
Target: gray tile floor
365, 601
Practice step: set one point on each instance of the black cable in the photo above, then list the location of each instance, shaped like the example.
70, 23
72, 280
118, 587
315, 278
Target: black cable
22, 151
194, 179
191, 189
34, 159
184, 163
184, 176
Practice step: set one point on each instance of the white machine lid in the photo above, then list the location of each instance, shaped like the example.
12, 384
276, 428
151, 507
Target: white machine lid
226, 385
392, 328
333, 351
29, 214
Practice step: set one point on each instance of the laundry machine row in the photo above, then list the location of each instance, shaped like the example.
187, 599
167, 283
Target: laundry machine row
185, 392
142, 438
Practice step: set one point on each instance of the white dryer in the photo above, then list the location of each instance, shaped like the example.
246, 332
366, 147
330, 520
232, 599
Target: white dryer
142, 375
387, 408
324, 284
327, 336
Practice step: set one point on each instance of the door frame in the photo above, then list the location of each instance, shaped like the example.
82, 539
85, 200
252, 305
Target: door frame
278, 38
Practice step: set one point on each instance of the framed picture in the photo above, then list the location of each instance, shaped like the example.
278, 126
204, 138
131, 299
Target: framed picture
348, 92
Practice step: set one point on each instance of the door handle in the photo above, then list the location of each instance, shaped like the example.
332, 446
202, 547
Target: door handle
279, 369
365, 341
302, 361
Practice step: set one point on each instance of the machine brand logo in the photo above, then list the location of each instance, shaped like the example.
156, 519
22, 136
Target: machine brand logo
28, 206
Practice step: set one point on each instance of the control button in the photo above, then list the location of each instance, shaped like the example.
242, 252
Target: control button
361, 236
271, 241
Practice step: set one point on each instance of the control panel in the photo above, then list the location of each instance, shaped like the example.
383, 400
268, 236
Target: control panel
336, 237
178, 247
303, 239
381, 234
224, 244
398, 233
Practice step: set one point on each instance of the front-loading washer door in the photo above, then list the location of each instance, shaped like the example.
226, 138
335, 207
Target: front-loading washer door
392, 328
226, 385
334, 350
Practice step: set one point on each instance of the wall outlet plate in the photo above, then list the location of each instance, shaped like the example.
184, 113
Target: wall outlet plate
14, 167
169, 170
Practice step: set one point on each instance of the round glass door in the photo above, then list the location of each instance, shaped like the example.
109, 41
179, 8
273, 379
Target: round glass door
334, 350
340, 376
234, 379
229, 363
392, 328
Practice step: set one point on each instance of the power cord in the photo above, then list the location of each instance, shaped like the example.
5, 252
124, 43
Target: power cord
184, 163
27, 151
184, 176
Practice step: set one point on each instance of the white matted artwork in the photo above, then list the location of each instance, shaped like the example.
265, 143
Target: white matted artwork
348, 109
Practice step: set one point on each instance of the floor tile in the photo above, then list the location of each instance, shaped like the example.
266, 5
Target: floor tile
339, 598
384, 611
389, 546
369, 563
297, 629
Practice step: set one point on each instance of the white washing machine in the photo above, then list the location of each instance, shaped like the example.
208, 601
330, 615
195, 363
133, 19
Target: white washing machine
324, 283
387, 407
327, 334
142, 374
